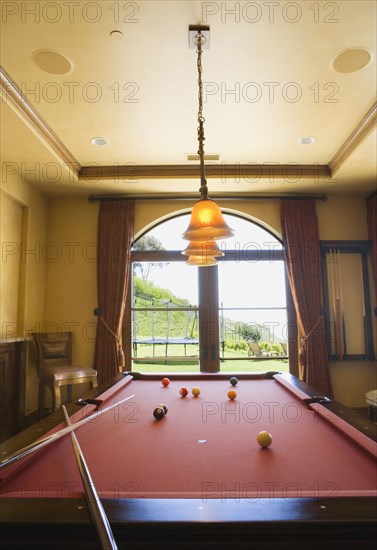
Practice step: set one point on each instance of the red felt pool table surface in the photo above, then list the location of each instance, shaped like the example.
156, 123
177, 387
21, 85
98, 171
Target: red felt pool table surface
205, 448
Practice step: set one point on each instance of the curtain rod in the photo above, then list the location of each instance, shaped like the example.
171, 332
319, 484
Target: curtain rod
96, 198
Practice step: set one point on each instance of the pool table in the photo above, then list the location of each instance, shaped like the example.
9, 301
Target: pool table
198, 475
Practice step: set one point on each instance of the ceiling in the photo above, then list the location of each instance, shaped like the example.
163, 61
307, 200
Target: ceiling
268, 82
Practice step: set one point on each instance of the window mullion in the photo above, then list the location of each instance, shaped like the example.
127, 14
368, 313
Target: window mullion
209, 341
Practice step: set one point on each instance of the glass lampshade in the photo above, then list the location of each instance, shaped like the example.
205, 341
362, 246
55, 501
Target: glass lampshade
207, 223
201, 261
205, 248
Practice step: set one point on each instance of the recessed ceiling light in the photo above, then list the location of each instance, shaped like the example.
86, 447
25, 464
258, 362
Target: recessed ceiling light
99, 141
52, 62
117, 35
308, 140
351, 60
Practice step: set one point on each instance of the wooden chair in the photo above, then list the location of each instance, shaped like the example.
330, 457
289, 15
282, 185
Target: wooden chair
55, 369
371, 399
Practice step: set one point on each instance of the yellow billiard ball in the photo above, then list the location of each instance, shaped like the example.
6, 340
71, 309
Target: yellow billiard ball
264, 439
232, 394
195, 391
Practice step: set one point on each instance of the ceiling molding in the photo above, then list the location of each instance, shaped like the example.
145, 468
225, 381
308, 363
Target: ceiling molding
12, 95
223, 171
354, 139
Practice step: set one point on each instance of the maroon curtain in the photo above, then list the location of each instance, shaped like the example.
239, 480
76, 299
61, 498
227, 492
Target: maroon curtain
115, 234
303, 261
372, 234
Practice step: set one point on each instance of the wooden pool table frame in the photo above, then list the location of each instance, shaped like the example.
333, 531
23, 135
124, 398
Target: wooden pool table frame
178, 523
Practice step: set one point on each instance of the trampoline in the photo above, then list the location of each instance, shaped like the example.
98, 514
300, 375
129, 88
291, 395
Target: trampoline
167, 340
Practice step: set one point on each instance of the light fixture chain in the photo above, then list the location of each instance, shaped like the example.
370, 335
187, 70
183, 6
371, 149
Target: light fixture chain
206, 223
203, 189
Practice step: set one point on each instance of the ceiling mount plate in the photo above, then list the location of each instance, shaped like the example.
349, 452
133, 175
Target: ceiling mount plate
193, 31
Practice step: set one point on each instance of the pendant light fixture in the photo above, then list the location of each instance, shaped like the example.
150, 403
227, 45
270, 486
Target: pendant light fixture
207, 223
202, 253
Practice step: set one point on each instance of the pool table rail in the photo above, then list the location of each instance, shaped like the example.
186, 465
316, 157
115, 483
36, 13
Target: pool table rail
140, 523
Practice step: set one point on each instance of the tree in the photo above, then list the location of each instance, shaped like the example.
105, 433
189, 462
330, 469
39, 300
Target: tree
148, 242
251, 332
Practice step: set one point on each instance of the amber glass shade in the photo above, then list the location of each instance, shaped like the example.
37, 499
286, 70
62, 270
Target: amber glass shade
201, 261
206, 223
205, 248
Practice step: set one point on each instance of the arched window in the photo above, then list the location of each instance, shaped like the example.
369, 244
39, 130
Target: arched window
231, 317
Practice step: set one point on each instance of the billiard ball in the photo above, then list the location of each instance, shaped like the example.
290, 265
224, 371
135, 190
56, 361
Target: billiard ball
264, 439
232, 394
183, 392
159, 413
164, 408
233, 381
195, 391
165, 382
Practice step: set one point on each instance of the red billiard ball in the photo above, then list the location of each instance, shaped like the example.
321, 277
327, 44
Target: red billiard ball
165, 382
183, 392
159, 413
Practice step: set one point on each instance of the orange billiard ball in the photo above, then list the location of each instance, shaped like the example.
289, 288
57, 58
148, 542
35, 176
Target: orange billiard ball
165, 382
183, 392
232, 394
195, 391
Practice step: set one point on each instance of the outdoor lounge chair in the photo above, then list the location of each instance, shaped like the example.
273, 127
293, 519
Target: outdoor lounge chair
256, 351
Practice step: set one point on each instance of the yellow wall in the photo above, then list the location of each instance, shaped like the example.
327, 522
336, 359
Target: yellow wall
11, 225
342, 218
265, 212
60, 288
71, 286
71, 289
24, 222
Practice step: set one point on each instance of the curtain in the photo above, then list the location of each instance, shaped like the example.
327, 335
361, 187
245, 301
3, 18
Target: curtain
303, 262
114, 234
372, 234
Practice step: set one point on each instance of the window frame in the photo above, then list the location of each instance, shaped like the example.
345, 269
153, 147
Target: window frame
362, 248
209, 348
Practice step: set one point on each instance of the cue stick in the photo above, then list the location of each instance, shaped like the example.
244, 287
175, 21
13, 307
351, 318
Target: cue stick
333, 300
342, 327
338, 307
96, 510
363, 308
36, 445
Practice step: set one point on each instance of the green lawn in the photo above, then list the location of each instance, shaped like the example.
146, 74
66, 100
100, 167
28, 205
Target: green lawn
149, 362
